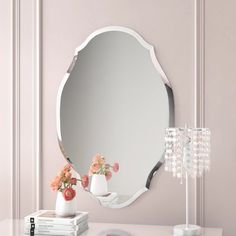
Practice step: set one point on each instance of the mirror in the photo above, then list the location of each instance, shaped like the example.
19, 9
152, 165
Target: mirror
115, 102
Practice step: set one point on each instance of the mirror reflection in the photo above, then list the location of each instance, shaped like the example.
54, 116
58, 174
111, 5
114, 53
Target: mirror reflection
113, 106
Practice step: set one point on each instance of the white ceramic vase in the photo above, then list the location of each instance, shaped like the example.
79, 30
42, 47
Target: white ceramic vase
98, 185
63, 207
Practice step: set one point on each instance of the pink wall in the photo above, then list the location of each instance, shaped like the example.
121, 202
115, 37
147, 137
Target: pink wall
169, 26
220, 190
5, 103
163, 24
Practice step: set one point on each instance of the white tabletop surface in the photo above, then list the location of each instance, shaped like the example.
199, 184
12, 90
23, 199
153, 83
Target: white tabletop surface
14, 228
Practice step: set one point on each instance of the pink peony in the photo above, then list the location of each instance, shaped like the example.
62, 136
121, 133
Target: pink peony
108, 175
61, 173
94, 167
68, 193
99, 159
116, 167
68, 175
56, 183
64, 182
85, 181
107, 166
99, 166
73, 181
67, 168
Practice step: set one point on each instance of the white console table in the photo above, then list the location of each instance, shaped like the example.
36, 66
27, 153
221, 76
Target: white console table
105, 229
15, 228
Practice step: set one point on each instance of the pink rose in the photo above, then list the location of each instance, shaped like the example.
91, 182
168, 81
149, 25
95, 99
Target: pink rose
108, 175
68, 194
73, 181
56, 183
98, 159
61, 173
116, 167
68, 175
107, 166
94, 168
85, 181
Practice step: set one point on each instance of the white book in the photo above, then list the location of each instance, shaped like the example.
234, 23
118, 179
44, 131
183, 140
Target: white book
50, 217
50, 226
57, 232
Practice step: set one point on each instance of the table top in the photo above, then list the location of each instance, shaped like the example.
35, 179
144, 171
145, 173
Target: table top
15, 228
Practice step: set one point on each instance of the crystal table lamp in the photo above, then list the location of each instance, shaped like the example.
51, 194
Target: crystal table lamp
187, 154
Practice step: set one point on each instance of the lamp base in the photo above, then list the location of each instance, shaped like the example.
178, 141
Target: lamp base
192, 230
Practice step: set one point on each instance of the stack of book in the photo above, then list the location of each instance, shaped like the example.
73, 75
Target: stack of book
46, 222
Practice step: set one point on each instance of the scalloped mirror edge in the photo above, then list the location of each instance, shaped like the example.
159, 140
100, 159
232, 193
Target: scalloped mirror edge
166, 82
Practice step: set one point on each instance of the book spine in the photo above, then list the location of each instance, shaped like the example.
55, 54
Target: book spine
55, 226
33, 220
33, 232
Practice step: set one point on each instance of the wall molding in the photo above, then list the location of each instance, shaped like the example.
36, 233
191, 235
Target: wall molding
37, 109
15, 114
16, 107
199, 98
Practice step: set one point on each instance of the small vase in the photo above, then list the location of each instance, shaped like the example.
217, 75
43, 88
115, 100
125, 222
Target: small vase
98, 185
65, 208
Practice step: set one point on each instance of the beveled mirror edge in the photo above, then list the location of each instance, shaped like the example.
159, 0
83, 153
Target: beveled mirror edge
171, 124
133, 33
139, 38
164, 78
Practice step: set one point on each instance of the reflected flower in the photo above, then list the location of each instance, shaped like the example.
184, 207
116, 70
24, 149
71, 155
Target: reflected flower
99, 166
116, 167
108, 175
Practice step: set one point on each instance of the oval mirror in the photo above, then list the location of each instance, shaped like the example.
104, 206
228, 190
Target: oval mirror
113, 106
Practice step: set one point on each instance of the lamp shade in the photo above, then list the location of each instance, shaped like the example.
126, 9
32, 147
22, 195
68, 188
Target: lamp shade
187, 150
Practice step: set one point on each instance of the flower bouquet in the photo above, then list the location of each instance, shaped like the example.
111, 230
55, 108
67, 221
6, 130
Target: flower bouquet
101, 172
99, 166
64, 184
